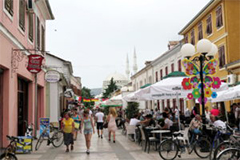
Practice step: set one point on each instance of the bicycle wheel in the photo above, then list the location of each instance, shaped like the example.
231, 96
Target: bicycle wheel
57, 139
168, 150
229, 154
202, 148
222, 146
8, 156
39, 142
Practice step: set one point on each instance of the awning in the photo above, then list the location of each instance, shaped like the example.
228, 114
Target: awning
146, 85
175, 74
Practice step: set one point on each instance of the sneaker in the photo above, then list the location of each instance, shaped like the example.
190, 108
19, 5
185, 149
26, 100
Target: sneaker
101, 137
72, 148
67, 150
88, 152
113, 141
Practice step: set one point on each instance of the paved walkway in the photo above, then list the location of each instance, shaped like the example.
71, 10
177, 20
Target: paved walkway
101, 149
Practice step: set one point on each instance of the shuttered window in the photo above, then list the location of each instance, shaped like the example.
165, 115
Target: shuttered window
156, 76
166, 70
221, 52
161, 74
193, 37
179, 65
30, 27
22, 14
219, 20
9, 6
38, 33
209, 25
43, 39
172, 67
200, 32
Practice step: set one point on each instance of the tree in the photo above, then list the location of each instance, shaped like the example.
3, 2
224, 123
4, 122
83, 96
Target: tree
86, 93
110, 89
132, 109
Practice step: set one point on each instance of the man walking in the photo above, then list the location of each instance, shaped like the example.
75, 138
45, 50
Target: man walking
99, 118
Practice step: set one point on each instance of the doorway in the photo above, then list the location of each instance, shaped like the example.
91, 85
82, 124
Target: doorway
1, 108
22, 106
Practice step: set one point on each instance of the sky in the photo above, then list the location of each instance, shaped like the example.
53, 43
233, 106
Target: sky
97, 35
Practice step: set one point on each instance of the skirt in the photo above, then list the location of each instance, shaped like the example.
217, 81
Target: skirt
68, 138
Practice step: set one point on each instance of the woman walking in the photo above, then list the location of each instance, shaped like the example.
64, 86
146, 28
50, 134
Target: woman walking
112, 127
68, 130
77, 122
88, 129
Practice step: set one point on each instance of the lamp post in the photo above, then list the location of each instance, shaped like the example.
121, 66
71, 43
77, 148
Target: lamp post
207, 51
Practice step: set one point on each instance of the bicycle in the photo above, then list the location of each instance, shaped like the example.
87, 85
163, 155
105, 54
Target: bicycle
56, 139
169, 148
9, 153
229, 154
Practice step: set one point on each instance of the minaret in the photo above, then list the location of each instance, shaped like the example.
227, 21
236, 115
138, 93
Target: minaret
127, 68
135, 67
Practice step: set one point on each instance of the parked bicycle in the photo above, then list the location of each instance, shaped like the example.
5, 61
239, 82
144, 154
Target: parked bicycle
9, 153
170, 148
56, 139
229, 154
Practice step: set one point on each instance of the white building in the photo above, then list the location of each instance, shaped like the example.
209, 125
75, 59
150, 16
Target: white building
120, 80
155, 70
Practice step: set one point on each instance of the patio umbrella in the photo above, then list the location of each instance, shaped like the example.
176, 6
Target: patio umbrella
227, 95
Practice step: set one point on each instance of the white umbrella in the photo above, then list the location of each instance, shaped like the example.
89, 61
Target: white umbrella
133, 97
231, 93
116, 98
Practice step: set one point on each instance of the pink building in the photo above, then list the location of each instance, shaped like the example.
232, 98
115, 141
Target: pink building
22, 26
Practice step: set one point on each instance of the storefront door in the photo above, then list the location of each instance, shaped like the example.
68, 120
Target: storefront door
1, 108
22, 106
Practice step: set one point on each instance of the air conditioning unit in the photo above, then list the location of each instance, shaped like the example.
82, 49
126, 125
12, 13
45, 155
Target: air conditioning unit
231, 79
30, 7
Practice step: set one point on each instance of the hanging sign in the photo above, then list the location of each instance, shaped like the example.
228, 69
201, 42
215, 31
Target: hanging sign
34, 63
52, 76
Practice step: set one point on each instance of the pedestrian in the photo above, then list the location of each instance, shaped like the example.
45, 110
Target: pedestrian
68, 130
112, 127
88, 124
99, 118
215, 111
77, 121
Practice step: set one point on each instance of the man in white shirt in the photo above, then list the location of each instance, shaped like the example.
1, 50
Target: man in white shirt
99, 118
167, 122
217, 123
134, 121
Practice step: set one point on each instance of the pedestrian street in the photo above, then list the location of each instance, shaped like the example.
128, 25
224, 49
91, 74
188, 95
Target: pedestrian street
101, 149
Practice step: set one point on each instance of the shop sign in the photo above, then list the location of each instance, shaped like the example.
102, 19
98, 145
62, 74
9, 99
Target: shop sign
34, 63
52, 76
45, 127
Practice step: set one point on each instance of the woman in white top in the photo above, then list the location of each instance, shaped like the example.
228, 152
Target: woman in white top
112, 127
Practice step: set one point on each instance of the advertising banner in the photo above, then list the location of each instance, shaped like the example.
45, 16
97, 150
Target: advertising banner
45, 126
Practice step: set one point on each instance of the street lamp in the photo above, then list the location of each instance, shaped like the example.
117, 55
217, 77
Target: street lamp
207, 51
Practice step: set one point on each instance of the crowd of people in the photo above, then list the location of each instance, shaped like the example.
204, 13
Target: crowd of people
82, 120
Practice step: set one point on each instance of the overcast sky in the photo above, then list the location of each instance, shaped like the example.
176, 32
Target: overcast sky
97, 35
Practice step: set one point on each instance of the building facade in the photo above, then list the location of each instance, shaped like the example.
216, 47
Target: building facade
219, 22
22, 26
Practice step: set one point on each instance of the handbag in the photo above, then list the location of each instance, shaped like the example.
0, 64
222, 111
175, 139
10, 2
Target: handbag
105, 125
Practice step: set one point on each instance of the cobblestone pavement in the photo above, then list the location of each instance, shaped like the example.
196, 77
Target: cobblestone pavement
101, 149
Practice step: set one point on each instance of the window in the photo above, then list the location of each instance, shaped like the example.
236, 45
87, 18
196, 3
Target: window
163, 104
219, 20
209, 25
168, 103
38, 33
221, 51
156, 76
200, 32
186, 39
179, 65
30, 27
43, 39
161, 74
9, 6
172, 67
166, 70
22, 14
193, 37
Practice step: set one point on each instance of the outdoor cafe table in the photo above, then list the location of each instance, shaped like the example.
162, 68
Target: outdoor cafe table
160, 132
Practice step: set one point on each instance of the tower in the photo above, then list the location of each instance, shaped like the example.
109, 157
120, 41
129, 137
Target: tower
127, 68
135, 67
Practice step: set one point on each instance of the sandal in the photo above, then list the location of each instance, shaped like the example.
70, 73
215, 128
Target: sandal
71, 148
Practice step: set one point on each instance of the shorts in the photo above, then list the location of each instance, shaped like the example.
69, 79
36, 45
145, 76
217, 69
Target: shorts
100, 125
88, 131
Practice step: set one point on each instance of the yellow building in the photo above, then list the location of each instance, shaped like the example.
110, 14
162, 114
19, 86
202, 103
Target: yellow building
219, 21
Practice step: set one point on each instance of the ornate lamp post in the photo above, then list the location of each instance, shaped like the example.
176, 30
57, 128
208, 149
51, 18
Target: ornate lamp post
207, 51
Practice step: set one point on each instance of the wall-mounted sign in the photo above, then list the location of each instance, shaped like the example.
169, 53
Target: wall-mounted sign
34, 63
52, 76
69, 93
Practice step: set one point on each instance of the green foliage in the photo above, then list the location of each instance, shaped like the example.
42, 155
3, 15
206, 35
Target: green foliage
86, 93
106, 110
110, 89
132, 109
